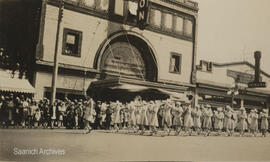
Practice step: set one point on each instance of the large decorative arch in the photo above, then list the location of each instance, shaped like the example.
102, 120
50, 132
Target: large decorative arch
137, 45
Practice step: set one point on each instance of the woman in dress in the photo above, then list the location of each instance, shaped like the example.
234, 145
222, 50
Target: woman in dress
253, 122
132, 117
116, 115
188, 120
197, 119
228, 120
154, 117
167, 116
177, 112
138, 112
89, 115
144, 119
207, 123
234, 121
242, 121
264, 122
219, 120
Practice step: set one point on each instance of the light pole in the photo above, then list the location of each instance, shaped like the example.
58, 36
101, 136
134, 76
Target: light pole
55, 67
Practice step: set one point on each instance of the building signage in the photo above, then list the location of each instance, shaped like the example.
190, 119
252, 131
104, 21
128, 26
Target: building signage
244, 78
256, 85
142, 14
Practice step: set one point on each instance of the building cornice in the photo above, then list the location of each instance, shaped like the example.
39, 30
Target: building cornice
185, 4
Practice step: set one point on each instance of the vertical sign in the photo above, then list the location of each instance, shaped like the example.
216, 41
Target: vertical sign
142, 13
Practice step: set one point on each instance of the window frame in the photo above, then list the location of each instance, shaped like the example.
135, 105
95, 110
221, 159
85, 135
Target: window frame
163, 21
184, 27
151, 18
180, 62
75, 32
174, 24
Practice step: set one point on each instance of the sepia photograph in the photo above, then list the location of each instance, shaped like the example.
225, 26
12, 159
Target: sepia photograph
134, 80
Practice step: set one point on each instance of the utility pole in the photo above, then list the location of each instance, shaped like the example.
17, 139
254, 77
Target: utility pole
55, 67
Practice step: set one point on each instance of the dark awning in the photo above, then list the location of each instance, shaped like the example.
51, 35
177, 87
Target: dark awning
131, 85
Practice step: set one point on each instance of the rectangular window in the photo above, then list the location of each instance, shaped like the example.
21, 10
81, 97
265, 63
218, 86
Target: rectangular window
132, 7
132, 12
103, 5
72, 41
119, 7
175, 63
188, 27
155, 18
179, 21
168, 21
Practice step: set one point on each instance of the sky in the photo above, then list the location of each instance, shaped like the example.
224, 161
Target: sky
232, 30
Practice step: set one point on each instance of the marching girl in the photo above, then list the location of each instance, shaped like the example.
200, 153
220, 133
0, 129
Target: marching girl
234, 121
89, 115
126, 117
167, 116
188, 121
197, 119
242, 121
207, 123
203, 110
253, 122
144, 119
219, 120
264, 122
153, 123
138, 112
177, 112
103, 109
116, 115
228, 120
132, 117
150, 110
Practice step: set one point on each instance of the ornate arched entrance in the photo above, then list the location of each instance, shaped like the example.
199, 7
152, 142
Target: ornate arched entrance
129, 56
124, 59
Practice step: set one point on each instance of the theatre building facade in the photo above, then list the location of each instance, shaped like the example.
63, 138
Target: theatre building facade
100, 46
227, 84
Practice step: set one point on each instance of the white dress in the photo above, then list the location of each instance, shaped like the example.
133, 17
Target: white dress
188, 121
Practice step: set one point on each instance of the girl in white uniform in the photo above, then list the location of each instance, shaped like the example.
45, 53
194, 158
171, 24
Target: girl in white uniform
207, 123
242, 121
167, 117
219, 120
153, 121
177, 112
228, 120
264, 123
188, 120
132, 117
144, 119
197, 119
254, 121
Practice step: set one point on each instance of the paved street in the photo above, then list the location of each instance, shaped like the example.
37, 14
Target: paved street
102, 146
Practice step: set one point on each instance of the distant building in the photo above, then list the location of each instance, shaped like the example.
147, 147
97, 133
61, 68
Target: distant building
214, 81
101, 43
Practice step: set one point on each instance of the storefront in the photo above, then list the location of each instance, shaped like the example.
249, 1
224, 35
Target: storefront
215, 83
